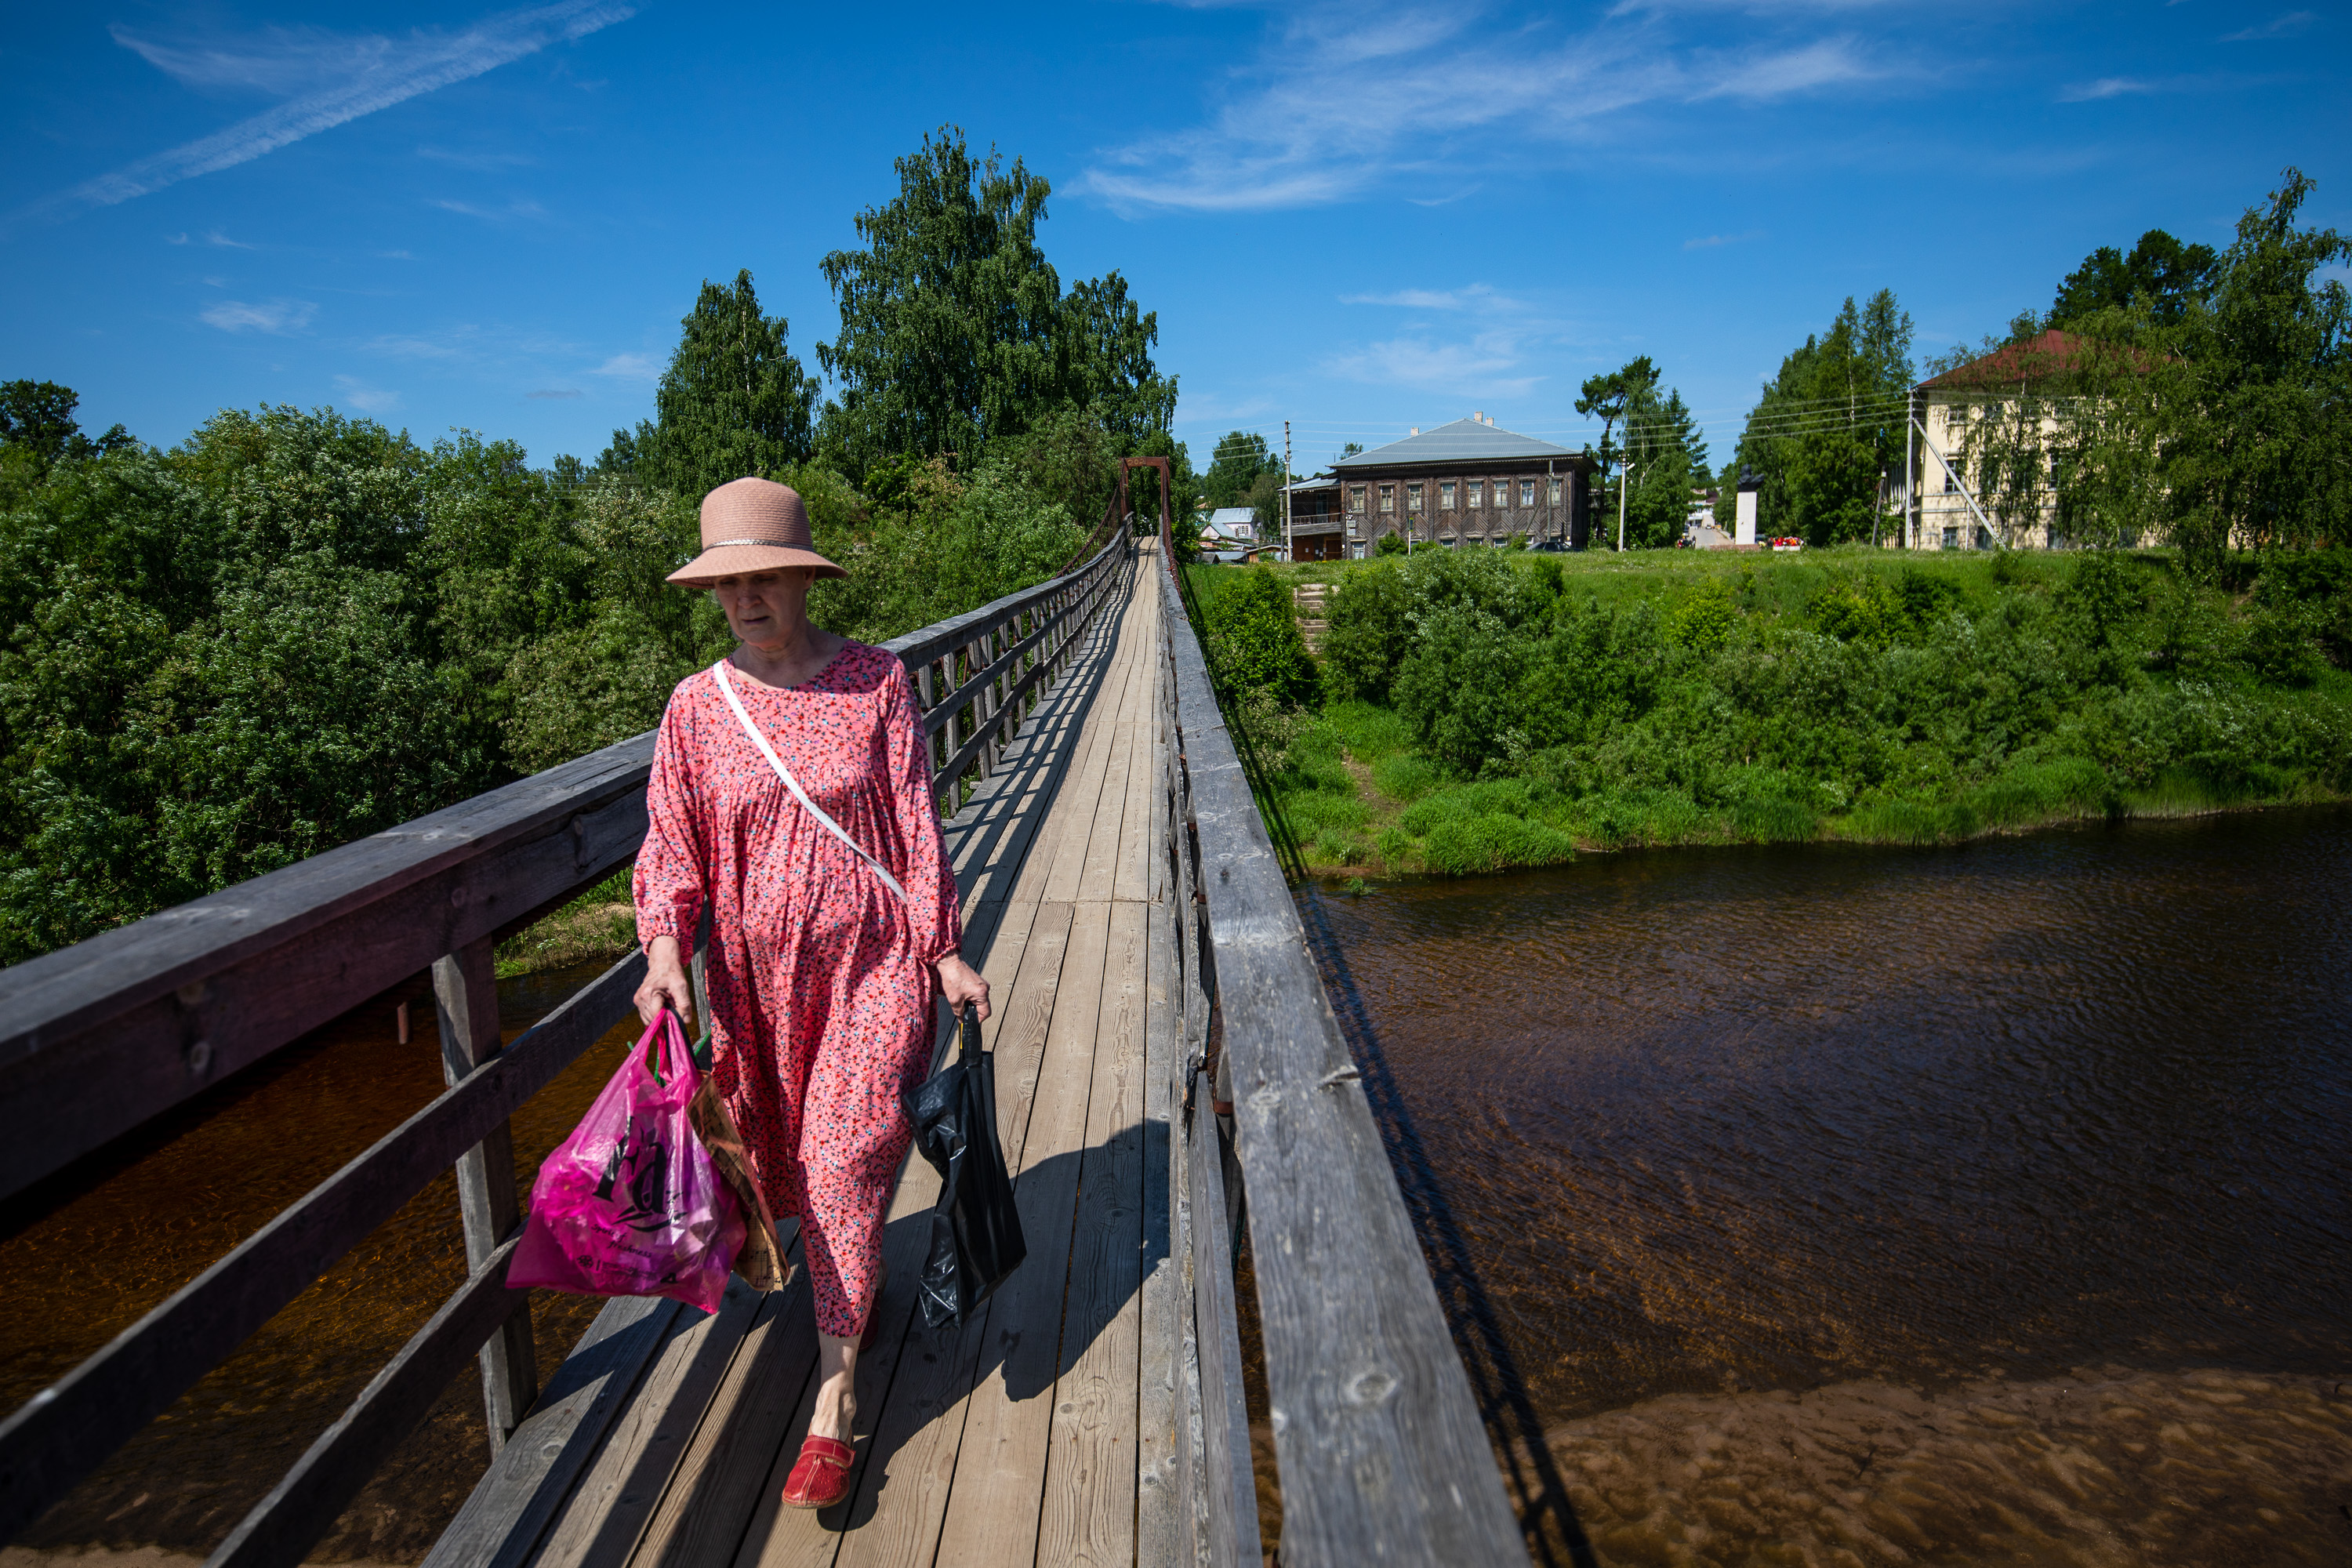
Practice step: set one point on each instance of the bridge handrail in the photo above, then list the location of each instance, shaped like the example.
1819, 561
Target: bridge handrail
98, 1037
1381, 1454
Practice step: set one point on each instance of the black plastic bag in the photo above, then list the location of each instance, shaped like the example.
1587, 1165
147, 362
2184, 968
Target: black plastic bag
976, 1240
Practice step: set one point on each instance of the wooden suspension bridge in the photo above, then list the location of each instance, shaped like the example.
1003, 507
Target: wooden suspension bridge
1121, 895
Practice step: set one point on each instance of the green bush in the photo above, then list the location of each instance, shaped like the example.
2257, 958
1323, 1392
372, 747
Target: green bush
1850, 694
1404, 776
1370, 732
1464, 845
1313, 811
298, 628
1492, 798
1252, 637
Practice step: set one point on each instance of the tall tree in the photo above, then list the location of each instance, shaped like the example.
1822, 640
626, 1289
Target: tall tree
955, 333
39, 430
1667, 459
1829, 428
1106, 343
734, 402
1242, 459
2161, 271
2260, 452
1609, 396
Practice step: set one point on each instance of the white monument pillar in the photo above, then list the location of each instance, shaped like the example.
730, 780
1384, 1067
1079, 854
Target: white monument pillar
1751, 483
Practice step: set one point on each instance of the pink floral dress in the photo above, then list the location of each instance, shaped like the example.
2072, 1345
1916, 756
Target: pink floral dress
819, 977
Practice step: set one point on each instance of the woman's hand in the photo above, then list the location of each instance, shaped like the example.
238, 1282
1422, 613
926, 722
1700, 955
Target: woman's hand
665, 984
960, 982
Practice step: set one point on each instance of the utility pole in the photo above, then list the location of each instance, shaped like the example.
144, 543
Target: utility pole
1624, 483
1285, 490
1908, 398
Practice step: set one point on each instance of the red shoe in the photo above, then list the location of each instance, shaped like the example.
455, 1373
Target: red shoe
820, 1476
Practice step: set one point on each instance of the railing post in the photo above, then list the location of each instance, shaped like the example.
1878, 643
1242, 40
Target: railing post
976, 654
466, 1002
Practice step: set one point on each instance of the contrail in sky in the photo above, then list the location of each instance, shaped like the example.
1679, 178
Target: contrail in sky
395, 71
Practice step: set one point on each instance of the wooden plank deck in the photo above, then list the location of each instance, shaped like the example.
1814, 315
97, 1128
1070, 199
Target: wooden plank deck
1020, 1438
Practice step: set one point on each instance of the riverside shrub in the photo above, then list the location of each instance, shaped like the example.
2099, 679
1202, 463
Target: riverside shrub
1852, 694
298, 628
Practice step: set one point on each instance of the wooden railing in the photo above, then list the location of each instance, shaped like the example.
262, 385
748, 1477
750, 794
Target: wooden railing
100, 1037
1380, 1452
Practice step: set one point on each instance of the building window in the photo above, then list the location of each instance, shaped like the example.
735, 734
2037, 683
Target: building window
1555, 492
1527, 492
1474, 493
1952, 539
1951, 485
1446, 495
1387, 498
1412, 501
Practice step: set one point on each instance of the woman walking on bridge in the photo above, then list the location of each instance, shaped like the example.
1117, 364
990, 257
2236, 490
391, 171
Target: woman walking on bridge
792, 796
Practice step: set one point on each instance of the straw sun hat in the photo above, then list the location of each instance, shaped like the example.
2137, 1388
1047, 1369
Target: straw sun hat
752, 525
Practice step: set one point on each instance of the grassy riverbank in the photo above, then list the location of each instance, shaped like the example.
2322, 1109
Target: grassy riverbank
1478, 711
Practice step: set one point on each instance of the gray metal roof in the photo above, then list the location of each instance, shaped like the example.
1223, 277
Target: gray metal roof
1464, 441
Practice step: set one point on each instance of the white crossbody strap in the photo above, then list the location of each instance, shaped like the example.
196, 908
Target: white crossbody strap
727, 689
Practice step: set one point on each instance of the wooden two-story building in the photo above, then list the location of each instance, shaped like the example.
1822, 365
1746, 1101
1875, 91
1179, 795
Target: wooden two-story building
1467, 483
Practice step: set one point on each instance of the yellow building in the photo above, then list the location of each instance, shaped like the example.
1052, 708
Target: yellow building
1948, 509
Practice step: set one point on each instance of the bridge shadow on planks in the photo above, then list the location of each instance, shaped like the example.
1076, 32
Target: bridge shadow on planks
1546, 1513
990, 832
740, 1407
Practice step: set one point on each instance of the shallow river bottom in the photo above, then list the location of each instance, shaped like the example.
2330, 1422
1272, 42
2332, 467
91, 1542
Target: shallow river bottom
2105, 1469
1828, 1206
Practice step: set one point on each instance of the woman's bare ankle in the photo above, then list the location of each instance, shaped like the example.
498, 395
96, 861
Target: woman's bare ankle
834, 1418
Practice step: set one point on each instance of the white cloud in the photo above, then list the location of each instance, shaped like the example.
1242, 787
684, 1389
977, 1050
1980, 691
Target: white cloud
1710, 241
478, 162
1489, 352
1473, 369
494, 215
366, 399
1760, 74
553, 393
279, 316
2284, 27
2106, 87
630, 367
335, 79
1753, 8
1452, 86
1475, 297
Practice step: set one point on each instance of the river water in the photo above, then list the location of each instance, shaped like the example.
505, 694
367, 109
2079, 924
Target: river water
85, 1254
1809, 1204
1790, 1205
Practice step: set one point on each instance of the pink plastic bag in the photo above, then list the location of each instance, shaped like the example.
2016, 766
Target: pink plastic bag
630, 1205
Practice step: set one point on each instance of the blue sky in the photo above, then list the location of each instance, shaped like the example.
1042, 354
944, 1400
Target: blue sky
1360, 217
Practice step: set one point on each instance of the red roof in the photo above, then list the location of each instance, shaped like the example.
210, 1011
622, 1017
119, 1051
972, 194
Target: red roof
2051, 354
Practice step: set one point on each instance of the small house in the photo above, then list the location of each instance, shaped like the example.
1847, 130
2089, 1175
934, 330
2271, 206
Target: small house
1470, 483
